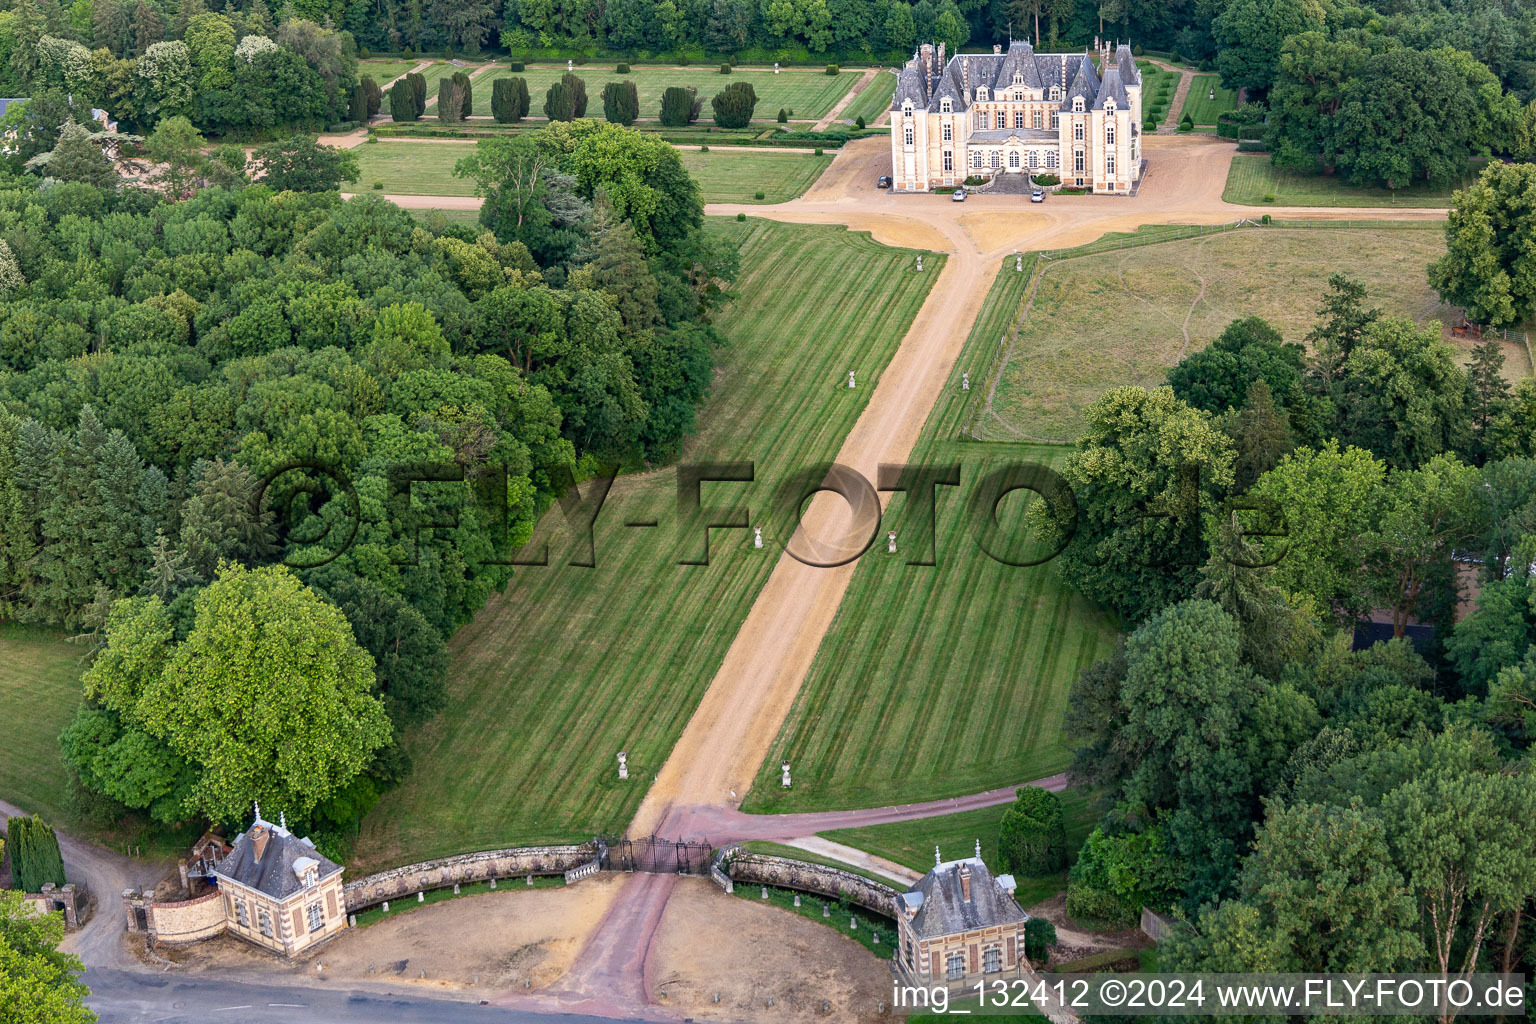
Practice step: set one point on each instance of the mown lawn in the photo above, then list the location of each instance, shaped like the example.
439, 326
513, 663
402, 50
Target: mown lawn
1125, 316
572, 665
874, 100
1198, 103
383, 72
941, 680
810, 93
737, 177
39, 691
411, 168
1252, 179
1157, 89
425, 168
911, 843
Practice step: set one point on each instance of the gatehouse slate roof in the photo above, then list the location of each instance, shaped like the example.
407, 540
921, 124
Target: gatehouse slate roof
271, 860
1073, 73
941, 908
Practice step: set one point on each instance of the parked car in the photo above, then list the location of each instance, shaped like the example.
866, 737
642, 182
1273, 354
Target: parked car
959, 196
884, 181
1037, 196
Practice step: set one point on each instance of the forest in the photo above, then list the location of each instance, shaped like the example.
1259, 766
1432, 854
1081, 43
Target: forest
166, 359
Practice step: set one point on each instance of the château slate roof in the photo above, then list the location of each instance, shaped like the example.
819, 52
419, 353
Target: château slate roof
924, 84
941, 908
271, 860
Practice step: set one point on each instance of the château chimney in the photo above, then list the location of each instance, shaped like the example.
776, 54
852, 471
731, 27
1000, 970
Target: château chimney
259, 837
965, 882
940, 69
965, 77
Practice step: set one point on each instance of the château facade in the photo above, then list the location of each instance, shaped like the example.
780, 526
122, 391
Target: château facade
1018, 112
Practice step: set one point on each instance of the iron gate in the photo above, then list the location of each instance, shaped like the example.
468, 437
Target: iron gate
658, 855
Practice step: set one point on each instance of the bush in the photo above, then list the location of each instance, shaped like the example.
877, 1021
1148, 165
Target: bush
1045, 179
1174, 58
758, 195
509, 100
1269, 197
461, 79
450, 100
516, 65
1136, 50
378, 185
677, 106
741, 216
621, 103
704, 149
1039, 937
622, 69
358, 109
1265, 219
374, 95
35, 858
566, 100
725, 69
783, 116
1092, 905
832, 69
1033, 837
858, 122
734, 105
1149, 126
418, 84
402, 102
1186, 124
818, 151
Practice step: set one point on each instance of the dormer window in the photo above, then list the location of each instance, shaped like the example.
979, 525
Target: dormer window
906, 108
946, 106
1018, 78
1056, 94
981, 93
1109, 106
1077, 104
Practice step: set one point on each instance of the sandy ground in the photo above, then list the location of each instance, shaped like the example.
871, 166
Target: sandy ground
710, 942
508, 939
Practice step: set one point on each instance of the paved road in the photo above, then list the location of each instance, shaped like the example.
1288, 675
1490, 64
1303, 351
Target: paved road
128, 997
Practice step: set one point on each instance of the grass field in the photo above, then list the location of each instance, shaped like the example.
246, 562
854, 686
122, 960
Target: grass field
911, 843
572, 665
1199, 105
728, 177
384, 71
39, 691
809, 93
413, 168
874, 100
735, 176
1157, 89
941, 680
1124, 317
1252, 178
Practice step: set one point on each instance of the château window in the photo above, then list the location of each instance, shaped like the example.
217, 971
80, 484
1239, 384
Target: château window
956, 965
264, 921
242, 917
1077, 161
1039, 121
1013, 159
981, 93
1018, 78
1002, 119
1109, 135
1018, 119
1056, 93
949, 160
992, 960
908, 134
1077, 104
1077, 132
1109, 166
949, 133
906, 954
1055, 120
1034, 159
946, 106
997, 158
316, 917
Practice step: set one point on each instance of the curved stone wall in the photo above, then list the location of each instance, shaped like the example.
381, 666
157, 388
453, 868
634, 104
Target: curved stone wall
741, 866
469, 867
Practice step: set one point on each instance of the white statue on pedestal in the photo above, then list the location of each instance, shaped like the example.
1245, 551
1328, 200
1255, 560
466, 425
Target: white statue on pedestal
890, 542
919, 261
851, 384
757, 537
570, 65
965, 381
623, 765
775, 67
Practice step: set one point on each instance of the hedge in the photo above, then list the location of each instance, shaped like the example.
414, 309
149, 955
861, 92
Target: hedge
35, 858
